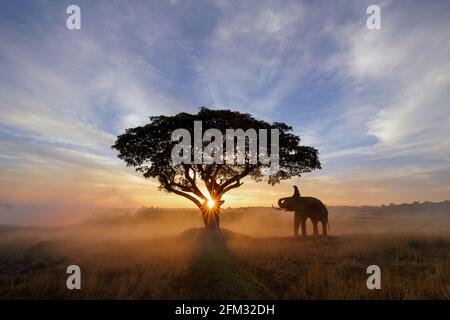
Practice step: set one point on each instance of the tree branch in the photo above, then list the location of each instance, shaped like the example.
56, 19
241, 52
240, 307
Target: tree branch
214, 179
191, 180
186, 195
237, 184
236, 178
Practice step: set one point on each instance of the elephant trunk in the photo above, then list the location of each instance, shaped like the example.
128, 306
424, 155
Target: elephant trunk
281, 205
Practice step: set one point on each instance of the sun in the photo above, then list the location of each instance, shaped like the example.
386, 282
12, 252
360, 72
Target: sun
211, 203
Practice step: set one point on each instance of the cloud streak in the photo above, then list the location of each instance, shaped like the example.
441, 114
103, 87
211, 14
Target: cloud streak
375, 103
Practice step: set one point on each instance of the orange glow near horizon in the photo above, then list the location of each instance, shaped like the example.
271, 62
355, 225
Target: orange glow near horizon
111, 187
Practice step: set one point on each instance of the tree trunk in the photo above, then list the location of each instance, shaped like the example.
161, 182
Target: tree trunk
211, 218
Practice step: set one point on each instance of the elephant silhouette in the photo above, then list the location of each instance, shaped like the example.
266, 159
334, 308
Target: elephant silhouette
304, 208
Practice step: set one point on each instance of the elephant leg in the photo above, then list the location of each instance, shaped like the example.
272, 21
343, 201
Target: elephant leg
296, 223
303, 222
324, 229
316, 231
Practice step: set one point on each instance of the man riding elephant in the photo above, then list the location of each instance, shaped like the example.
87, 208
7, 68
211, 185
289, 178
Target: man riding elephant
304, 208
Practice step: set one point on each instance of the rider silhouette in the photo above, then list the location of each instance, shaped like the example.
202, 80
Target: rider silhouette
296, 193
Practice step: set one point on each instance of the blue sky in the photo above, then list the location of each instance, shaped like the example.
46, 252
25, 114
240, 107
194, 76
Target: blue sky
374, 102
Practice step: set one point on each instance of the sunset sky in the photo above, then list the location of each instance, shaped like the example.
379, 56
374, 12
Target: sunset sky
374, 102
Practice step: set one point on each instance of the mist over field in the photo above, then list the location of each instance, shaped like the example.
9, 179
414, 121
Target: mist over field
157, 253
422, 218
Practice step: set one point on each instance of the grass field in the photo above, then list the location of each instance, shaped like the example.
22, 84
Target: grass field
191, 264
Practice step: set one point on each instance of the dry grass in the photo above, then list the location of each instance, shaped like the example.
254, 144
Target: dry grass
193, 265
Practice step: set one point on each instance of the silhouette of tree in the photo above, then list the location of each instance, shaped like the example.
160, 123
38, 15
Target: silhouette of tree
148, 148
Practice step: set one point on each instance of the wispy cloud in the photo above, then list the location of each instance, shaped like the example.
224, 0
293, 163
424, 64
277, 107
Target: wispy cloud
375, 103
